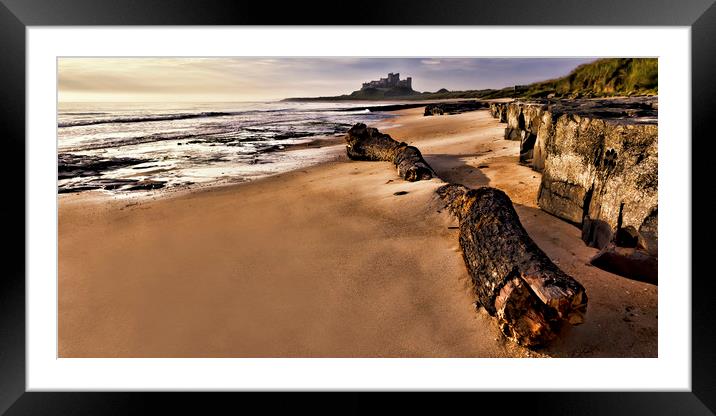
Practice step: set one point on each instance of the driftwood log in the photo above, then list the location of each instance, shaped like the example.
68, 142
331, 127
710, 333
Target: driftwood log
514, 280
367, 143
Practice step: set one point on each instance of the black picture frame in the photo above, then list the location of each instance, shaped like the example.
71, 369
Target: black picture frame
16, 15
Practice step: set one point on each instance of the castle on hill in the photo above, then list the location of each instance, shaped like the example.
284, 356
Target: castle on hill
393, 81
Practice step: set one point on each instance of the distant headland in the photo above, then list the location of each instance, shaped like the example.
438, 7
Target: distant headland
624, 77
391, 87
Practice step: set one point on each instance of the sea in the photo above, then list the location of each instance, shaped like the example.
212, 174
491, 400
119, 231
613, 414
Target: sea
121, 148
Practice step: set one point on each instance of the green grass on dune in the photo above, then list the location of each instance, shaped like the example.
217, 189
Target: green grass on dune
604, 78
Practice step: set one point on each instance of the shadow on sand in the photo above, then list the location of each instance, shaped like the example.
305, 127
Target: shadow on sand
622, 317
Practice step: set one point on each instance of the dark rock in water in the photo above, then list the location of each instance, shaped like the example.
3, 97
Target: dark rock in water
145, 185
293, 135
258, 161
599, 170
98, 183
273, 148
67, 190
454, 107
71, 165
110, 184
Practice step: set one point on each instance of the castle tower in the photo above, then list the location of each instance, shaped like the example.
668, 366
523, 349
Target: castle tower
393, 79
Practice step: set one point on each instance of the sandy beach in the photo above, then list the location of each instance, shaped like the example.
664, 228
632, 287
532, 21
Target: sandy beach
325, 261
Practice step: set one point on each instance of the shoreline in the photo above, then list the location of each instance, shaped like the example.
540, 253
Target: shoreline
333, 150
363, 272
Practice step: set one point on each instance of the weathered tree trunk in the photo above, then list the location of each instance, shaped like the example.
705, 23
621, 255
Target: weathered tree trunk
367, 143
514, 280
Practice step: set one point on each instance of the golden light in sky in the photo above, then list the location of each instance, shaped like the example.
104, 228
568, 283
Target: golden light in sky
272, 78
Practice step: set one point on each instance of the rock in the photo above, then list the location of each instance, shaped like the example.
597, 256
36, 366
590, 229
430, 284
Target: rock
634, 263
454, 107
71, 165
599, 171
532, 122
145, 185
499, 111
94, 183
431, 110
602, 175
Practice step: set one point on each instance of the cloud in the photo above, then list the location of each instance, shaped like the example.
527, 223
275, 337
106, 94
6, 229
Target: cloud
270, 78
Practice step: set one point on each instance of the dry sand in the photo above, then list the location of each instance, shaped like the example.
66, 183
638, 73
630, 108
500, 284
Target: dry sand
322, 262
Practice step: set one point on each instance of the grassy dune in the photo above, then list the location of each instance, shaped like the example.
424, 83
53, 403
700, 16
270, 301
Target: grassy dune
603, 78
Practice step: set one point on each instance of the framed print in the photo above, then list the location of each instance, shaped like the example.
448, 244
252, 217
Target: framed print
429, 197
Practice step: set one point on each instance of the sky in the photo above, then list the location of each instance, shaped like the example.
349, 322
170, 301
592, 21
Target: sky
270, 78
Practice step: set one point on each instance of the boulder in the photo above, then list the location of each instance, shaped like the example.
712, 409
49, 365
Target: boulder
454, 107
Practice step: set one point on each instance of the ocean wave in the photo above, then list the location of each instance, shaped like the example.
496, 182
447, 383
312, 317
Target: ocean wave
139, 119
115, 143
81, 113
234, 138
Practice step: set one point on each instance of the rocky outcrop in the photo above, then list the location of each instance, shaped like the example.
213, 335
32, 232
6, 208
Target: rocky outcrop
77, 173
70, 165
598, 160
499, 111
107, 184
454, 108
603, 175
524, 121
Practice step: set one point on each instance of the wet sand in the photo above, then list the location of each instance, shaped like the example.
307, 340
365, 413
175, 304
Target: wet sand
322, 262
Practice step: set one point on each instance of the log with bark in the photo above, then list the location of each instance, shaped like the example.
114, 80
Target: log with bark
514, 279
367, 143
